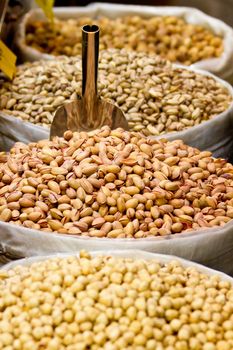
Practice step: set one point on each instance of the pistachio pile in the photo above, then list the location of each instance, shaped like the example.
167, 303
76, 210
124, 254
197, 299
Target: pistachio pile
168, 36
114, 184
155, 97
114, 303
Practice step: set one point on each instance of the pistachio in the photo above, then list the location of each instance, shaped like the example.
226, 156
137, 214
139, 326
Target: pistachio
101, 198
169, 36
156, 196
156, 98
6, 215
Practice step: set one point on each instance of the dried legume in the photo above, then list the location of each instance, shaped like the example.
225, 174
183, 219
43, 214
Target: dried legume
114, 303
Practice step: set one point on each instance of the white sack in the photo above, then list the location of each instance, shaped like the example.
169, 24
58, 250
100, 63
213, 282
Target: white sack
212, 247
221, 66
133, 254
14, 130
214, 135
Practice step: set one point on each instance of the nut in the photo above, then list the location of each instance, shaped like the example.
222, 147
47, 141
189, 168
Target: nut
157, 195
168, 36
165, 99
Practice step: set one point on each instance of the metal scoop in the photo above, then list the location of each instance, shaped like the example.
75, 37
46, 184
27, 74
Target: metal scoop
89, 112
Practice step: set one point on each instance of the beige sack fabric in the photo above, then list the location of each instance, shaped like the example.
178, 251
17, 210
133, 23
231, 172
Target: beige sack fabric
212, 247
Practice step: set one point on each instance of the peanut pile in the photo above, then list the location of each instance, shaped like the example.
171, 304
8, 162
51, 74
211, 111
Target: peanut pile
168, 36
114, 303
114, 184
155, 97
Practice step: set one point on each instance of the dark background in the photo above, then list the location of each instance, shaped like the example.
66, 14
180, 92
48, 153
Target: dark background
222, 9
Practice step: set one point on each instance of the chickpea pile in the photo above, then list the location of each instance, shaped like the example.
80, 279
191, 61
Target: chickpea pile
168, 36
114, 303
115, 184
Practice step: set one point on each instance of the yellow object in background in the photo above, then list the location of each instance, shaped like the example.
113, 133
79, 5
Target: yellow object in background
47, 7
7, 60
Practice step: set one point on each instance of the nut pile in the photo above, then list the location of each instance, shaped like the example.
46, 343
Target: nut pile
113, 303
155, 97
170, 37
114, 184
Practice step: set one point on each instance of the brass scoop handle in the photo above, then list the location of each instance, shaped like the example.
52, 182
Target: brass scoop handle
90, 56
89, 112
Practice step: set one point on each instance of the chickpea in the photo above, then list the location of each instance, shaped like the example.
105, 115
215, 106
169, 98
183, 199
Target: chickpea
101, 309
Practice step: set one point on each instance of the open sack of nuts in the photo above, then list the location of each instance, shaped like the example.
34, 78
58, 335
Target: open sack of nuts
158, 99
179, 34
116, 189
115, 300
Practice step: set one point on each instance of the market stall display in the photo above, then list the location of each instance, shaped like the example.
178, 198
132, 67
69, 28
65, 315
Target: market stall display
158, 98
163, 30
155, 96
79, 206
114, 184
89, 210
116, 188
112, 301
